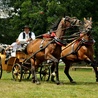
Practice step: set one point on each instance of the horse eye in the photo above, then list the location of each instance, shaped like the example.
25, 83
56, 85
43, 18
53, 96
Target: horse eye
80, 22
85, 23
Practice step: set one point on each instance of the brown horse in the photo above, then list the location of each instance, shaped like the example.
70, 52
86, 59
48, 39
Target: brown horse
50, 49
87, 24
80, 49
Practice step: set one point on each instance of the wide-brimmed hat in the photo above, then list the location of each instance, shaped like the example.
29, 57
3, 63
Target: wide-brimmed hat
26, 26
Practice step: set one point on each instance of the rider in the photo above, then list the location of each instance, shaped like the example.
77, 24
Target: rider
24, 38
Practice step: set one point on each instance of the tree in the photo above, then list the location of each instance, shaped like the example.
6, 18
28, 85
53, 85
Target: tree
41, 14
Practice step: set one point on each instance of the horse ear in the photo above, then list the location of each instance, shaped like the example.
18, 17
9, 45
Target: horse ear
90, 18
67, 17
84, 19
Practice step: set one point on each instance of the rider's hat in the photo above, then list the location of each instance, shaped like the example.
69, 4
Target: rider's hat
26, 26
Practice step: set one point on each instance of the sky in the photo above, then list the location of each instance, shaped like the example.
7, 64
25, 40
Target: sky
3, 12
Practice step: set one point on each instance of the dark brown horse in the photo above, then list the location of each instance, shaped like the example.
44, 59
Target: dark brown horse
80, 49
49, 50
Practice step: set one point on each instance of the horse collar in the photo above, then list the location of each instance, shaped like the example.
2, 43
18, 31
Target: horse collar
60, 42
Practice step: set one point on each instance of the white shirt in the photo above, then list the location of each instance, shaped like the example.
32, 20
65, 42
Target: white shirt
15, 46
20, 37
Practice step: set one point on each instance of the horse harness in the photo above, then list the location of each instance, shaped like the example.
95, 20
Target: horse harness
82, 42
56, 40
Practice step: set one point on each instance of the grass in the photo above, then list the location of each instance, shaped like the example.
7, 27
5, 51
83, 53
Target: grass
86, 87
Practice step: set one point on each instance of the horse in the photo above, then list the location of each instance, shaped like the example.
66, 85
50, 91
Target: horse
81, 49
40, 50
87, 25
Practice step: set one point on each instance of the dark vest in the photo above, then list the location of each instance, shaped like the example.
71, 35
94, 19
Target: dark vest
24, 35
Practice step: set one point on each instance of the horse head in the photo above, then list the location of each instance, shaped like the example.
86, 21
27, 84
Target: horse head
87, 32
66, 23
75, 22
88, 24
86, 38
72, 21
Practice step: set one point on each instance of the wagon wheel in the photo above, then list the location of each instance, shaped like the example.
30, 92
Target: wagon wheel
0, 69
17, 72
26, 74
45, 73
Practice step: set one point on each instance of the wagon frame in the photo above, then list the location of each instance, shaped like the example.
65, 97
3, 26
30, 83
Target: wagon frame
20, 68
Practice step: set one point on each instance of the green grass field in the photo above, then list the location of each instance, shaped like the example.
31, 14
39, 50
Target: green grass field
86, 87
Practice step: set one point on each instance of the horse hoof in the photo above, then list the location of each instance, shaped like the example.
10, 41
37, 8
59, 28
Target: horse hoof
73, 82
38, 83
58, 82
52, 78
33, 81
96, 80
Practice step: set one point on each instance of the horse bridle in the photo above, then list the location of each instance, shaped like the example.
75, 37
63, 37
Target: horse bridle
88, 42
72, 22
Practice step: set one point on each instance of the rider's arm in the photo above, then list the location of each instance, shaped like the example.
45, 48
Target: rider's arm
14, 44
7, 48
31, 38
32, 35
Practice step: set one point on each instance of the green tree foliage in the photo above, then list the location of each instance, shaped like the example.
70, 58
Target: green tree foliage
41, 14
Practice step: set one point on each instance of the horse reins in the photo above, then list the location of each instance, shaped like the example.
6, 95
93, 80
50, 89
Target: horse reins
74, 41
33, 54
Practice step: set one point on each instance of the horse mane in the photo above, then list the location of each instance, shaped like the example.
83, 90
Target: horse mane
55, 24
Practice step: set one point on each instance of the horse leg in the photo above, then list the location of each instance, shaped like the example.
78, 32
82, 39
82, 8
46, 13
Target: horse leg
66, 71
52, 72
33, 72
91, 61
48, 54
95, 67
51, 57
57, 73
